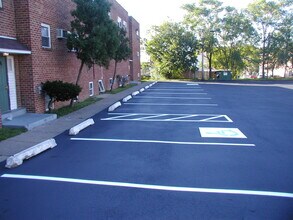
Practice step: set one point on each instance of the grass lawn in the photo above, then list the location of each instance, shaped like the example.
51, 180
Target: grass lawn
120, 89
6, 133
67, 109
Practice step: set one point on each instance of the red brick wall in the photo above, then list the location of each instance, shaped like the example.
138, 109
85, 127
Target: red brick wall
123, 68
0, 119
135, 67
7, 23
24, 22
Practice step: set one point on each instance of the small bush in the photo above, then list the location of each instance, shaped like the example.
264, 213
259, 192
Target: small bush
59, 91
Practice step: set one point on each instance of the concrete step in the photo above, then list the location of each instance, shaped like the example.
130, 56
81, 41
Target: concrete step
14, 113
27, 120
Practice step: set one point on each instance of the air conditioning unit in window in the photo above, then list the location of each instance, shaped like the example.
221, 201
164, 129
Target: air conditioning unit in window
61, 34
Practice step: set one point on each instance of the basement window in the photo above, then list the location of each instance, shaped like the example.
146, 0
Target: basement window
46, 36
91, 88
101, 86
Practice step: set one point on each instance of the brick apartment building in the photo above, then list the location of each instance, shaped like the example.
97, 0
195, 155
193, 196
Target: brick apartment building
33, 50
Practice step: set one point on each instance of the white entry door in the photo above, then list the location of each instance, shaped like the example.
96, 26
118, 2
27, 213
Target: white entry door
11, 82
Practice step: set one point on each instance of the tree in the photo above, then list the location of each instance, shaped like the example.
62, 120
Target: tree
59, 91
172, 49
203, 19
122, 51
236, 33
93, 34
285, 38
266, 16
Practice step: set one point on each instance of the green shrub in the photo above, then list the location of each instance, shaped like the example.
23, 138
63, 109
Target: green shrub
59, 91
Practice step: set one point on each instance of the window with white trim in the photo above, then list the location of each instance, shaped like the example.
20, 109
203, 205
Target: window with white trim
1, 5
91, 88
46, 36
125, 25
119, 21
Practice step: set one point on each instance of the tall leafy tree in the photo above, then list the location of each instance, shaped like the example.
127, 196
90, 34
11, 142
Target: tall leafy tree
203, 19
266, 16
93, 34
172, 49
236, 32
123, 50
284, 36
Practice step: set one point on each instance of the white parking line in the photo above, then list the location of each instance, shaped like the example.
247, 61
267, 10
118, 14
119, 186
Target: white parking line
150, 117
177, 93
151, 187
176, 89
170, 104
162, 142
185, 87
154, 97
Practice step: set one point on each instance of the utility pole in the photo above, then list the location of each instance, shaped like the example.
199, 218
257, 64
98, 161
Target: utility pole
202, 64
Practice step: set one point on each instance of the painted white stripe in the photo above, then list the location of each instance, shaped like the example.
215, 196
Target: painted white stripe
177, 93
162, 142
185, 87
143, 113
182, 117
171, 104
151, 187
121, 116
181, 90
219, 116
154, 97
192, 84
148, 117
163, 120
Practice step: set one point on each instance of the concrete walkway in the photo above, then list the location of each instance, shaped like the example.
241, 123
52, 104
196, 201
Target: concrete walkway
21, 142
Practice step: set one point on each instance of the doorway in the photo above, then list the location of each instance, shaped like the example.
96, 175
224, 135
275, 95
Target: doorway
4, 88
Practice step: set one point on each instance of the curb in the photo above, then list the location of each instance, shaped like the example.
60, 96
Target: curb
114, 106
127, 98
76, 129
135, 93
17, 159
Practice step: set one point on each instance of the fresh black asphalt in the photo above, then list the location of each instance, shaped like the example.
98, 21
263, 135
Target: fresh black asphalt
262, 113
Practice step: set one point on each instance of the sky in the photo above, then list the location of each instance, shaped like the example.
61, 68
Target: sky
155, 12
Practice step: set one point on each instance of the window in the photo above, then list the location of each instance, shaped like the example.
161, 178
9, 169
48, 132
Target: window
119, 21
101, 86
91, 88
1, 6
138, 54
125, 25
137, 32
46, 37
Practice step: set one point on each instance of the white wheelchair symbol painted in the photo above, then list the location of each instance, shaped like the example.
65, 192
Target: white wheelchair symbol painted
221, 133
225, 133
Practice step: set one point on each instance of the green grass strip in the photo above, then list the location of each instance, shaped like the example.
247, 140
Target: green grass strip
121, 89
6, 133
68, 109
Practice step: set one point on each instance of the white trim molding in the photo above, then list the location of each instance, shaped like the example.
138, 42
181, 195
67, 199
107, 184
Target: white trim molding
4, 50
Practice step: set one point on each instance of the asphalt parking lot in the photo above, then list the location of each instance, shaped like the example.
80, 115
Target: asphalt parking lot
174, 151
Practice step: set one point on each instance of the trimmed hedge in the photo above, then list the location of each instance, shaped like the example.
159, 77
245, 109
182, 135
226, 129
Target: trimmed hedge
60, 91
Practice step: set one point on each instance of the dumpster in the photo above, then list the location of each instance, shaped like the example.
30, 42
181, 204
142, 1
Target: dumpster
224, 75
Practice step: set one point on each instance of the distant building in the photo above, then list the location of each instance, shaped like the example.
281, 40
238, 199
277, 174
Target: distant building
33, 50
